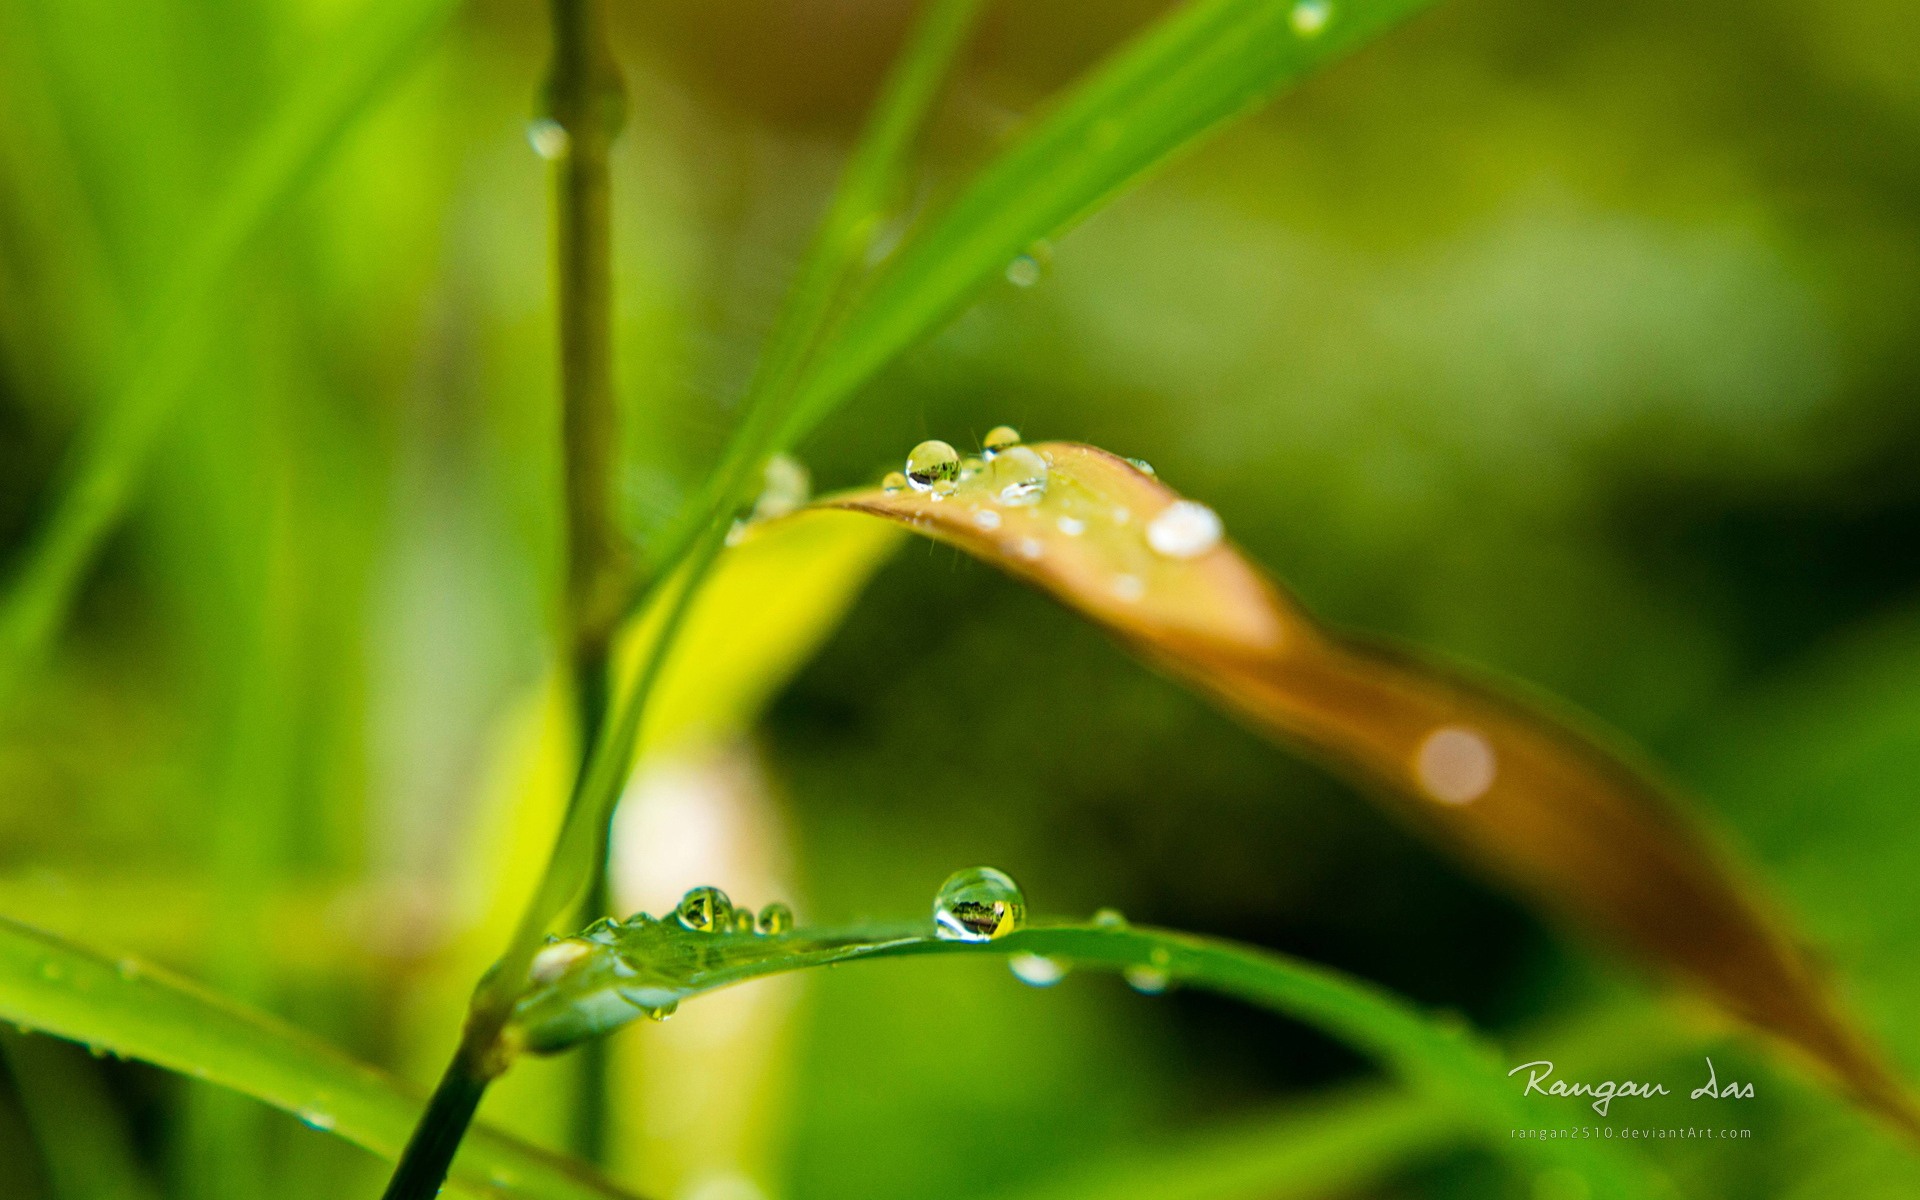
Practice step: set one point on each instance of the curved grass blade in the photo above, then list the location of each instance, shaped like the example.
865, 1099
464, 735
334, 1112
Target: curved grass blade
104, 467
1565, 820
1187, 75
135, 1010
615, 973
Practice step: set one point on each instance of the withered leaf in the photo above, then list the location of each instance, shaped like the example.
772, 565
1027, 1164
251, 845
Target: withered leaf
1566, 819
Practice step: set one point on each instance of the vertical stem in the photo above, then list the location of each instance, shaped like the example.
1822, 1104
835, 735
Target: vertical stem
585, 100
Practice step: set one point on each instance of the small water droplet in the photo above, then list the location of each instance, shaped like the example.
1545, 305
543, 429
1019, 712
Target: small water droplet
1110, 918
1030, 549
970, 467
1148, 981
1019, 476
661, 1012
1142, 465
786, 485
705, 910
775, 919
604, 931
894, 482
978, 905
1123, 515
1029, 268
1037, 970
1309, 17
743, 919
1455, 765
999, 438
1071, 526
1129, 587
1184, 529
96, 1049
549, 139
316, 1118
931, 466
986, 518
552, 961
1151, 977
129, 968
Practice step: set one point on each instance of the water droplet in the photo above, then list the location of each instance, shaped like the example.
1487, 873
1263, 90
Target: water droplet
933, 465
786, 485
1071, 526
1151, 977
1455, 765
1184, 529
999, 438
776, 919
1029, 549
743, 920
1019, 476
1110, 918
978, 905
1142, 465
549, 139
894, 482
316, 1118
1309, 17
1028, 268
553, 960
1129, 587
986, 518
1122, 515
705, 910
129, 968
604, 931
1037, 970
661, 1012
96, 1049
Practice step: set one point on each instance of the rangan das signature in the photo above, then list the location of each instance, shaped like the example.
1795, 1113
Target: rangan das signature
1540, 1072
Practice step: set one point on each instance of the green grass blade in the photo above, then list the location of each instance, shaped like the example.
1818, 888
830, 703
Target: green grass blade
138, 1011
104, 468
615, 974
1208, 62
1326, 1147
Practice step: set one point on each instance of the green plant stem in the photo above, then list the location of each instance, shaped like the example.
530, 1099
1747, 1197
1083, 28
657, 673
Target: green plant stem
585, 99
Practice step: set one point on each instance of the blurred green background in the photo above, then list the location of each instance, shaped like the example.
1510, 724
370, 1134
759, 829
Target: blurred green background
1581, 342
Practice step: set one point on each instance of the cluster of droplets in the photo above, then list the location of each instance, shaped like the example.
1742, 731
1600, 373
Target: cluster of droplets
1011, 474
708, 910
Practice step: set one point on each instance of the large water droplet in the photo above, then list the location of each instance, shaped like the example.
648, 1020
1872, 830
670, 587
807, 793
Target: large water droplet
933, 466
999, 438
705, 910
776, 919
978, 905
1037, 970
786, 485
1309, 17
549, 139
1184, 529
1019, 476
